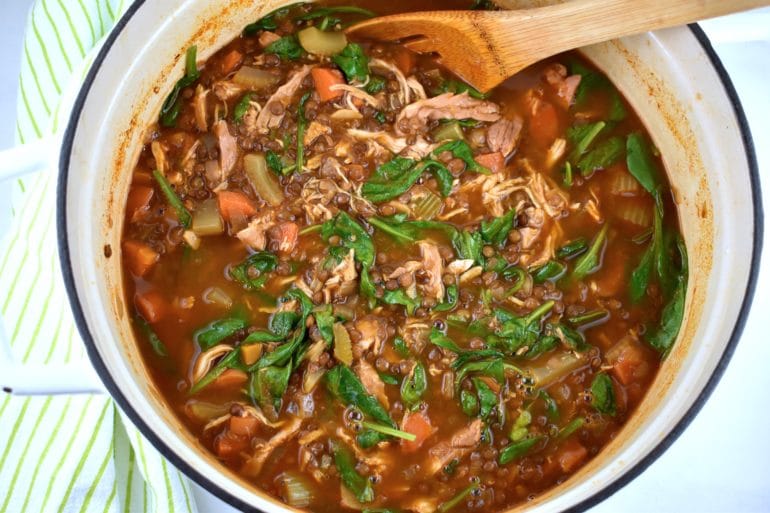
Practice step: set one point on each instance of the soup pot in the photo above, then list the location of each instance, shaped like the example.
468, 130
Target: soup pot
673, 80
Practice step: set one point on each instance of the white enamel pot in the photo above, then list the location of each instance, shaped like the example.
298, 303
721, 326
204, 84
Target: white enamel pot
673, 80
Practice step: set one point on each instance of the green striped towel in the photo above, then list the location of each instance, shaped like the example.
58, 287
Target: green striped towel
62, 453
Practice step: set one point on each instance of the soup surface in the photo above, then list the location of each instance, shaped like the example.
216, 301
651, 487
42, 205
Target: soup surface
364, 285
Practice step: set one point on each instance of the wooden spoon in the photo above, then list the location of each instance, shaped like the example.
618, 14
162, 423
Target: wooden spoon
486, 47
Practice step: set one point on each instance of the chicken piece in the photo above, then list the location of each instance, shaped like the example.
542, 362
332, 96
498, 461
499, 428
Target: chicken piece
371, 381
284, 236
314, 131
405, 92
434, 267
458, 267
565, 86
254, 235
266, 38
342, 282
252, 466
503, 135
460, 444
283, 96
199, 103
228, 148
159, 154
374, 332
226, 89
352, 92
415, 116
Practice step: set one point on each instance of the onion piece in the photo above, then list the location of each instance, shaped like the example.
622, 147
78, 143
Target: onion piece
319, 42
556, 368
217, 296
343, 348
296, 490
206, 219
263, 181
254, 78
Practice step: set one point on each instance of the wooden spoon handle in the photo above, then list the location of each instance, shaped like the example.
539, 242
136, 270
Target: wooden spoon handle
545, 31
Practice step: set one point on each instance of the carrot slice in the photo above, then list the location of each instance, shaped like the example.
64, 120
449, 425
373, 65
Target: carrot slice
629, 364
493, 161
230, 378
244, 426
151, 305
231, 61
324, 78
138, 201
235, 204
227, 446
571, 455
544, 124
405, 60
140, 258
419, 425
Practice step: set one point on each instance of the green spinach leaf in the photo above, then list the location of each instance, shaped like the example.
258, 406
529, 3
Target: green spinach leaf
602, 156
603, 394
252, 273
353, 62
414, 386
170, 109
589, 262
287, 48
495, 232
353, 481
209, 336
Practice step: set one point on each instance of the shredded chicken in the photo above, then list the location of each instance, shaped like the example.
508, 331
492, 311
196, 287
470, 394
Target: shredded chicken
434, 267
417, 150
354, 92
266, 38
314, 131
371, 381
415, 116
159, 154
459, 266
460, 444
226, 89
503, 135
417, 89
255, 234
555, 152
199, 103
405, 92
283, 95
373, 332
342, 282
252, 466
228, 148
285, 235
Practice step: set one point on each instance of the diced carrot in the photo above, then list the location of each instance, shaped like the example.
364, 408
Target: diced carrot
629, 363
571, 455
495, 162
231, 61
230, 378
140, 258
324, 78
235, 204
250, 353
405, 60
138, 201
419, 425
227, 446
244, 426
544, 124
151, 305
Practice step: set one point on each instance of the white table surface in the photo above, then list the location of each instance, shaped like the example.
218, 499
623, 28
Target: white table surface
721, 463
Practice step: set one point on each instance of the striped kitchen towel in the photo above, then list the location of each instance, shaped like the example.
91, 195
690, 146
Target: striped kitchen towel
62, 453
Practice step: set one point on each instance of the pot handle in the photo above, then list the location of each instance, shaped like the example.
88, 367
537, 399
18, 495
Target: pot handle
34, 379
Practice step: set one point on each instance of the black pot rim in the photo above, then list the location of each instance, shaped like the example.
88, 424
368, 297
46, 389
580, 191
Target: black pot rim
114, 390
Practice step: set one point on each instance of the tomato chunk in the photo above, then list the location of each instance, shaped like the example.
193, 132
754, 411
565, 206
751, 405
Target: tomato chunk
495, 162
139, 257
419, 425
151, 305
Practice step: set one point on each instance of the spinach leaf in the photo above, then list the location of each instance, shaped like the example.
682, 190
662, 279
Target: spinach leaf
664, 336
602, 156
452, 294
581, 136
591, 82
469, 403
391, 179
640, 276
567, 171
589, 262
156, 343
274, 162
516, 450
492, 367
345, 385
516, 332
353, 62
589, 317
209, 336
185, 219
468, 245
269, 21
396, 226
400, 297
444, 178
242, 107
287, 48
301, 124
414, 386
399, 344
252, 273
324, 319
603, 394
549, 271
495, 232
229, 361
641, 163
457, 87
322, 12
267, 385
353, 481
487, 399
461, 150
352, 236
465, 492
551, 408
568, 336
388, 379
570, 428
171, 107
375, 85
541, 346
572, 248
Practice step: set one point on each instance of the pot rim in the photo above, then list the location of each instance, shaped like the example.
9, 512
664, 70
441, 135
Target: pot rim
631, 473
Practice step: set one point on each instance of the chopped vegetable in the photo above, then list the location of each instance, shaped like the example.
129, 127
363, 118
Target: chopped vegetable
414, 386
496, 231
353, 62
173, 200
139, 257
206, 219
297, 490
516, 450
155, 342
255, 79
353, 481
287, 48
343, 349
252, 273
265, 184
324, 79
602, 156
590, 261
319, 42
603, 394
171, 108
212, 334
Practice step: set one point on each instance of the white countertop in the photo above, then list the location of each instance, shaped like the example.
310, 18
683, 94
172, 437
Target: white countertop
721, 463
